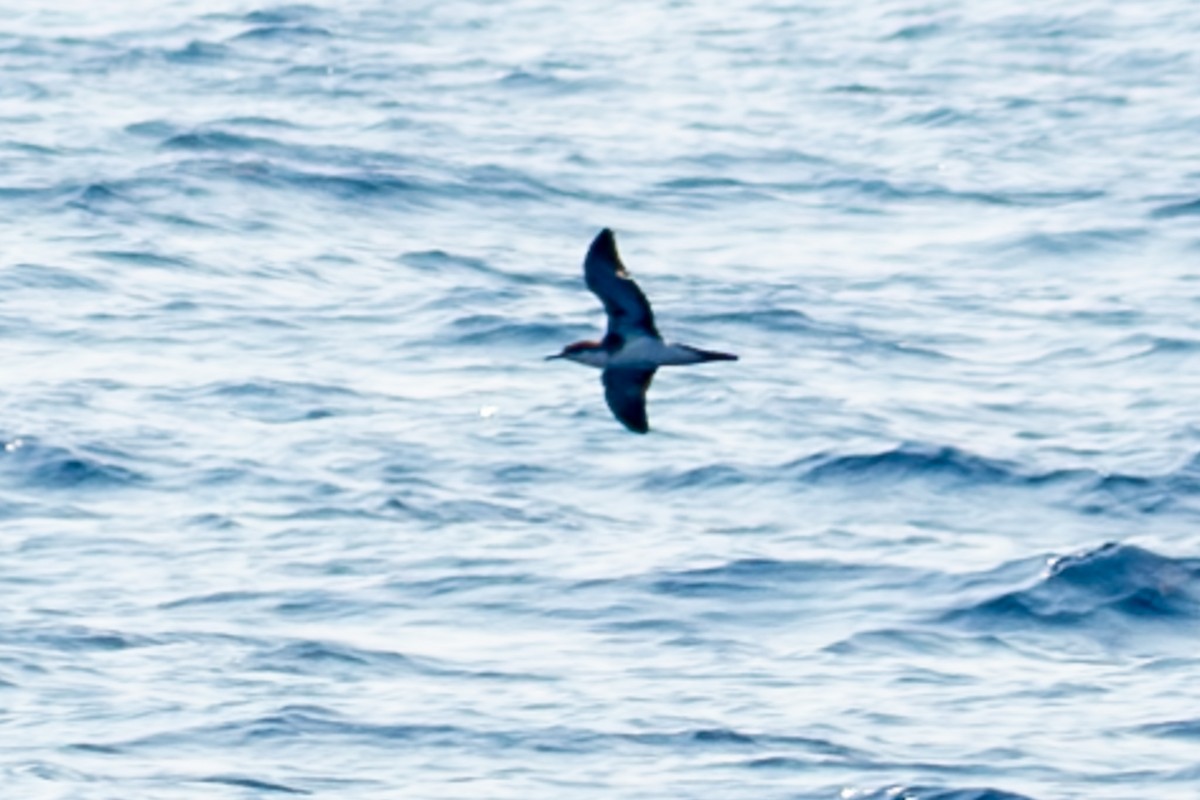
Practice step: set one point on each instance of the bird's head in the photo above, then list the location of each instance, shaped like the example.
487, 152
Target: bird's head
591, 353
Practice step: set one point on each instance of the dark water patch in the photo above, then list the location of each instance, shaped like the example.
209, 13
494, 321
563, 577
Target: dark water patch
727, 739
306, 511
470, 585
314, 658
480, 511
143, 258
350, 185
1188, 729
275, 401
273, 389
1089, 490
658, 626
916, 32
768, 578
1189, 208
520, 474
318, 724
441, 262
789, 763
228, 475
43, 276
254, 784
273, 123
510, 184
716, 188
1151, 346
198, 52
1120, 493
80, 639
1116, 317
711, 476
322, 725
95, 749
282, 15
890, 642
349, 174
496, 331
546, 82
359, 567
220, 140
223, 139
45, 466
234, 598
712, 161
1113, 582
937, 793
216, 522
1066, 243
97, 197
315, 604
292, 34
883, 190
941, 117
410, 509
152, 128
905, 462
30, 148
856, 88
774, 320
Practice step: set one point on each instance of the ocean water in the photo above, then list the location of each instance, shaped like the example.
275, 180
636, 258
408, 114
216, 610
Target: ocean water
291, 504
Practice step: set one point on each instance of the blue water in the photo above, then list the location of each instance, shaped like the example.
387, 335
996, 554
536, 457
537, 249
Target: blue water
291, 504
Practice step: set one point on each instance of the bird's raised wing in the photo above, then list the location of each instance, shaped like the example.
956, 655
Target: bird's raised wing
625, 392
628, 309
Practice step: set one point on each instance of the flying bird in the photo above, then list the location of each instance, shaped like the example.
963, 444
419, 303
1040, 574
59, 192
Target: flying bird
632, 349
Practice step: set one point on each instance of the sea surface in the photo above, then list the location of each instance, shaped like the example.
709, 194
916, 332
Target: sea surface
291, 504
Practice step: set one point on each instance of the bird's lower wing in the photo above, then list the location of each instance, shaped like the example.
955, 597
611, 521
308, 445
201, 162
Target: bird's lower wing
625, 391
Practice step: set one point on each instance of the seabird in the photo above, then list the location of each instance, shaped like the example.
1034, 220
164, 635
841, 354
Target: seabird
632, 348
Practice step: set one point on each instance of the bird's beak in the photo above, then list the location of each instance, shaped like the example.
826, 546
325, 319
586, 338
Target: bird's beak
556, 355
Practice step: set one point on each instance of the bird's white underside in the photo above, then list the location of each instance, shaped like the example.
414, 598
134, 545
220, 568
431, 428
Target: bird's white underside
642, 351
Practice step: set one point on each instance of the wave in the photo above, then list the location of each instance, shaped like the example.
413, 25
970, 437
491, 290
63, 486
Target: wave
495, 331
45, 466
1189, 208
1066, 243
547, 82
877, 189
1087, 490
1110, 582
302, 34
282, 15
934, 793
1148, 346
255, 784
276, 401
769, 577
1091, 489
308, 657
43, 276
216, 139
314, 722
81, 639
905, 462
198, 52
344, 185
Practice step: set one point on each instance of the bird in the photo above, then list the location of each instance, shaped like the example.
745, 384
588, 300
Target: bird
632, 349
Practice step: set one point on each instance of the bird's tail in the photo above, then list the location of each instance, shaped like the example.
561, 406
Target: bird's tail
711, 355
